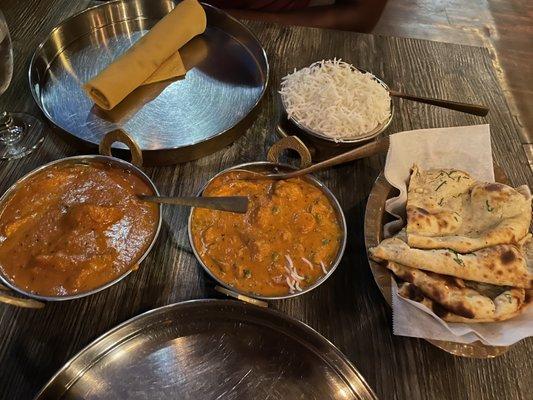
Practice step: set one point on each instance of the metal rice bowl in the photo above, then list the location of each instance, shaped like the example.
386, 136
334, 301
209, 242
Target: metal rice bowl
345, 142
267, 166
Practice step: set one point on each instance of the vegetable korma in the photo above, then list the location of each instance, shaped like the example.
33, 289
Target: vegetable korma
288, 239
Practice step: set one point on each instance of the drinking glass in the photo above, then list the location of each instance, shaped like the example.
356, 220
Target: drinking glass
20, 133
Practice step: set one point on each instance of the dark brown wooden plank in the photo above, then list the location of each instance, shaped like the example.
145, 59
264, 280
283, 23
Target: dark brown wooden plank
348, 308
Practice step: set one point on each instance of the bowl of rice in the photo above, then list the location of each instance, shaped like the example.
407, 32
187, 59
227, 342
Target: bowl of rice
334, 101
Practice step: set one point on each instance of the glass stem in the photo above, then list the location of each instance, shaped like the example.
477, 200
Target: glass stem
10, 132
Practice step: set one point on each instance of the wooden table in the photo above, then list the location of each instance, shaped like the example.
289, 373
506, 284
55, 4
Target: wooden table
348, 309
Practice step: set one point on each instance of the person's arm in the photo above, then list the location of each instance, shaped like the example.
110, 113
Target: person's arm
349, 15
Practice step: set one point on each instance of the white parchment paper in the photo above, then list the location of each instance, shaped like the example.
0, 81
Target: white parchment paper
467, 148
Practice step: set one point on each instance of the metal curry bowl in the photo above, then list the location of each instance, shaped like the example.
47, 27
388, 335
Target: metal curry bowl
274, 166
30, 300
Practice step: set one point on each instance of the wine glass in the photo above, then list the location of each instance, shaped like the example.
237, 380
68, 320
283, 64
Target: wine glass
20, 133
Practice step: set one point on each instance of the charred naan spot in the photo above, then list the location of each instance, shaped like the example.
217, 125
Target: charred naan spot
414, 293
439, 311
461, 310
436, 295
422, 211
443, 223
499, 272
485, 276
449, 280
508, 257
410, 276
494, 187
406, 276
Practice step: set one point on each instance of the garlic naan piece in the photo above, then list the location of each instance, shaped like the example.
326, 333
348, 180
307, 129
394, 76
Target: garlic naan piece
448, 209
446, 291
506, 305
498, 265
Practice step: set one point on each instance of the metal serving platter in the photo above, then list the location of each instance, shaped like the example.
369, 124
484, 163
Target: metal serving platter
172, 121
375, 219
209, 349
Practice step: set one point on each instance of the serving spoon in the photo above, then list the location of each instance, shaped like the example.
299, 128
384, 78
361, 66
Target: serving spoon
474, 109
236, 204
367, 150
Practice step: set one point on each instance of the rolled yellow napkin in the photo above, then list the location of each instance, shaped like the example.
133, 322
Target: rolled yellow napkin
153, 58
171, 68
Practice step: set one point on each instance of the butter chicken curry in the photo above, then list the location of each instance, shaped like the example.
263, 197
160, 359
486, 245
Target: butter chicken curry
72, 228
288, 239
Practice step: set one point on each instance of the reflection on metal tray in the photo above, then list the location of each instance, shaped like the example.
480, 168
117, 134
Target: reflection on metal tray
209, 349
172, 121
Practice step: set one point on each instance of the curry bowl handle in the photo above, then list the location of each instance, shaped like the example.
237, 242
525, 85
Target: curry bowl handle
241, 297
119, 135
290, 143
17, 301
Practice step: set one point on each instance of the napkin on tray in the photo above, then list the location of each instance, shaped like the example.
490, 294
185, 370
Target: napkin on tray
155, 57
466, 148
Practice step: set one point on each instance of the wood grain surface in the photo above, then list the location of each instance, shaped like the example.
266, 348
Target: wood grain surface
348, 309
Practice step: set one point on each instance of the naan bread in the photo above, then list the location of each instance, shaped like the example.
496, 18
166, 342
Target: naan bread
455, 296
499, 265
506, 305
448, 209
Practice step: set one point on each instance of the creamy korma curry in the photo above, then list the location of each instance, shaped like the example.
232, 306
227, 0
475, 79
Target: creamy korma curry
288, 239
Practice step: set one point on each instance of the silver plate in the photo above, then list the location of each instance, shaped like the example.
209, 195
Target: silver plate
172, 121
209, 349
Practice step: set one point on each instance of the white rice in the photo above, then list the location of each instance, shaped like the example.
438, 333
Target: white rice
305, 260
333, 98
324, 270
292, 279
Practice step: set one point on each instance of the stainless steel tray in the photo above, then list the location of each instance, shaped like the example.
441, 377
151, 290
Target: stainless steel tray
173, 121
209, 349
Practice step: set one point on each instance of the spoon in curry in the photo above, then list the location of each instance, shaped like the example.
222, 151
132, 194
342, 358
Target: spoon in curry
367, 150
236, 204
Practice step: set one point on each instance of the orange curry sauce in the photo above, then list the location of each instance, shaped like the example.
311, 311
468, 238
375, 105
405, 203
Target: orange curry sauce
288, 239
74, 227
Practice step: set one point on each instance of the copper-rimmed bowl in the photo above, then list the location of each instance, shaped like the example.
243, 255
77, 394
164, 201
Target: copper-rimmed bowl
267, 166
28, 299
323, 139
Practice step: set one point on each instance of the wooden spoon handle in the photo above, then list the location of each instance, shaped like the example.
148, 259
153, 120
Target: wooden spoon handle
474, 109
7, 298
367, 150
